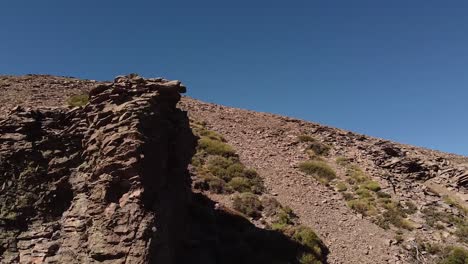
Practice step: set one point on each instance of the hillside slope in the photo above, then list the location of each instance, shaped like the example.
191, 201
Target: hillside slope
369, 200
430, 180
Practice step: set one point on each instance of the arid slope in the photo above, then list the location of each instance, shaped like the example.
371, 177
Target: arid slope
387, 203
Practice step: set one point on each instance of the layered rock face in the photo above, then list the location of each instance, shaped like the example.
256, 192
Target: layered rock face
104, 183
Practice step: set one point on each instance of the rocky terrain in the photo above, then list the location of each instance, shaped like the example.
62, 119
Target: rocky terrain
78, 185
110, 181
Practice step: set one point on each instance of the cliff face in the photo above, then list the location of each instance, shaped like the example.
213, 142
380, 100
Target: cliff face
104, 183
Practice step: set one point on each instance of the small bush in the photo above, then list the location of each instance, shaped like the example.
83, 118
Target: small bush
240, 184
363, 193
215, 147
348, 196
212, 183
235, 170
318, 169
432, 216
362, 206
270, 205
341, 187
308, 258
319, 148
372, 185
248, 204
342, 161
456, 255
305, 138
356, 174
395, 215
384, 201
381, 194
211, 135
462, 232
411, 208
78, 100
285, 216
308, 238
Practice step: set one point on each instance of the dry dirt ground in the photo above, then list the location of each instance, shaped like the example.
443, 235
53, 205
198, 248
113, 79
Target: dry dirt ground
268, 143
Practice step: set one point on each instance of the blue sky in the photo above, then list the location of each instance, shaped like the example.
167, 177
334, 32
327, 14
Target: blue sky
392, 69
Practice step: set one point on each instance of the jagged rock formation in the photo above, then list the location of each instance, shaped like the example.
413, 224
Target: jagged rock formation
105, 183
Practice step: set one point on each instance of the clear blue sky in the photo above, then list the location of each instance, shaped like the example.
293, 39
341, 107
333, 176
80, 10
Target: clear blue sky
391, 69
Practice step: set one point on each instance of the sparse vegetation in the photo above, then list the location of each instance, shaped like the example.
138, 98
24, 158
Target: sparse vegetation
433, 216
319, 148
308, 238
318, 169
341, 187
462, 231
215, 147
372, 185
315, 146
363, 206
284, 217
248, 204
369, 200
394, 215
78, 100
342, 161
455, 255
218, 167
356, 175
305, 138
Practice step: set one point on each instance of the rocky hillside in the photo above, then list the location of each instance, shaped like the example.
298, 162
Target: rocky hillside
118, 177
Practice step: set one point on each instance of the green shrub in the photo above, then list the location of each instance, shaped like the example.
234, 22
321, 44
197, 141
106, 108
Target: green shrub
240, 184
215, 147
211, 135
411, 208
235, 170
341, 187
318, 169
462, 232
212, 183
356, 174
363, 193
362, 206
78, 100
319, 148
372, 185
285, 216
348, 196
381, 194
395, 215
384, 201
432, 216
456, 255
305, 138
218, 165
270, 205
248, 204
342, 161
308, 258
308, 238
250, 173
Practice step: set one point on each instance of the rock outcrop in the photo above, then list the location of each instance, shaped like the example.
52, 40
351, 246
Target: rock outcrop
104, 183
